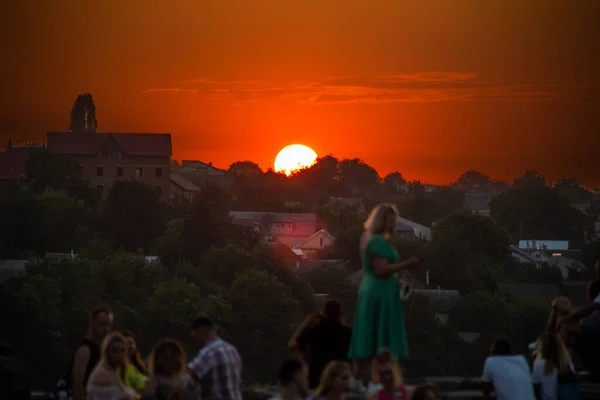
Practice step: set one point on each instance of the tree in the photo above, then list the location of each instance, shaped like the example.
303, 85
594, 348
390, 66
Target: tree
339, 216
530, 178
245, 168
356, 173
393, 182
269, 314
428, 207
55, 171
472, 178
538, 212
469, 251
321, 279
574, 190
169, 247
133, 215
323, 179
83, 115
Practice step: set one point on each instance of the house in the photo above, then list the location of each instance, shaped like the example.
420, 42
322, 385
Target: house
108, 157
523, 256
409, 228
357, 202
202, 166
309, 248
13, 166
290, 229
553, 245
182, 188
478, 203
12, 269
201, 173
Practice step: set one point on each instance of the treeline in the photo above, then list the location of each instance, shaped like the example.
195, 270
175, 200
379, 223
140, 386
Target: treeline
210, 266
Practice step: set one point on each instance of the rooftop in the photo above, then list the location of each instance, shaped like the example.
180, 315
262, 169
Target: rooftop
132, 144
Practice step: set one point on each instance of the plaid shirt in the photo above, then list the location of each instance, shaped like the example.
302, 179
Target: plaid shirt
218, 367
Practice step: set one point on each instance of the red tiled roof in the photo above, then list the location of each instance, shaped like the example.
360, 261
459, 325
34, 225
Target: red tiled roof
13, 164
132, 144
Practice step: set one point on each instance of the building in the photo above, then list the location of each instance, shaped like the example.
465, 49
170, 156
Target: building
550, 245
182, 188
201, 173
108, 157
309, 249
290, 229
13, 166
408, 228
479, 203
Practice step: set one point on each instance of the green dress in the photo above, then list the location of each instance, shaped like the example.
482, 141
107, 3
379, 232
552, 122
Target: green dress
379, 319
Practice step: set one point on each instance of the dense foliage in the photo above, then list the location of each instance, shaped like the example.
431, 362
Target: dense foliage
210, 266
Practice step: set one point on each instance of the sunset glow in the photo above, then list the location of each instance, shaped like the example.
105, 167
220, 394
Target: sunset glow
294, 157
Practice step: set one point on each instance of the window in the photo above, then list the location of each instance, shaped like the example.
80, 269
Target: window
100, 189
119, 171
139, 172
109, 151
158, 172
159, 190
99, 171
321, 242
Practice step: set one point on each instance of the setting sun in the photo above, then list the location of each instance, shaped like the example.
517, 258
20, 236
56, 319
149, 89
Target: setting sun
294, 157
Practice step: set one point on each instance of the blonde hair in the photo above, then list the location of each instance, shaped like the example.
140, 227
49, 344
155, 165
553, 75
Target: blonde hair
333, 370
560, 306
106, 345
554, 352
385, 356
376, 222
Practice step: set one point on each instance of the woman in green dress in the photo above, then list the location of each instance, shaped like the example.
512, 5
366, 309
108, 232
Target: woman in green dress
379, 319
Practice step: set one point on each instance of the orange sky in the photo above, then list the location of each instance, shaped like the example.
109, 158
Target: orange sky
426, 87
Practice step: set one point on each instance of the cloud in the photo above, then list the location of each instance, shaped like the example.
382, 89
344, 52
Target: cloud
420, 87
170, 90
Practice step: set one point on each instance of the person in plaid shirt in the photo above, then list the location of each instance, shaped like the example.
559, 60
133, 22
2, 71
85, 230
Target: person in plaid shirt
217, 367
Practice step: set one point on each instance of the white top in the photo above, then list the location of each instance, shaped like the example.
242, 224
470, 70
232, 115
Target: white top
548, 383
510, 376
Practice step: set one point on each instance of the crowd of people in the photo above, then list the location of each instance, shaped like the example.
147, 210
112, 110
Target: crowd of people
331, 358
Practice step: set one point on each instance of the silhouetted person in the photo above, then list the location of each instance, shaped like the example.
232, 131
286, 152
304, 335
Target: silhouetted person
589, 318
87, 355
293, 380
327, 340
507, 374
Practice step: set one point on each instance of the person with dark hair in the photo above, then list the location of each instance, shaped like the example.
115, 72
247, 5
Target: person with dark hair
327, 340
293, 380
87, 355
217, 368
136, 367
166, 382
427, 391
507, 374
